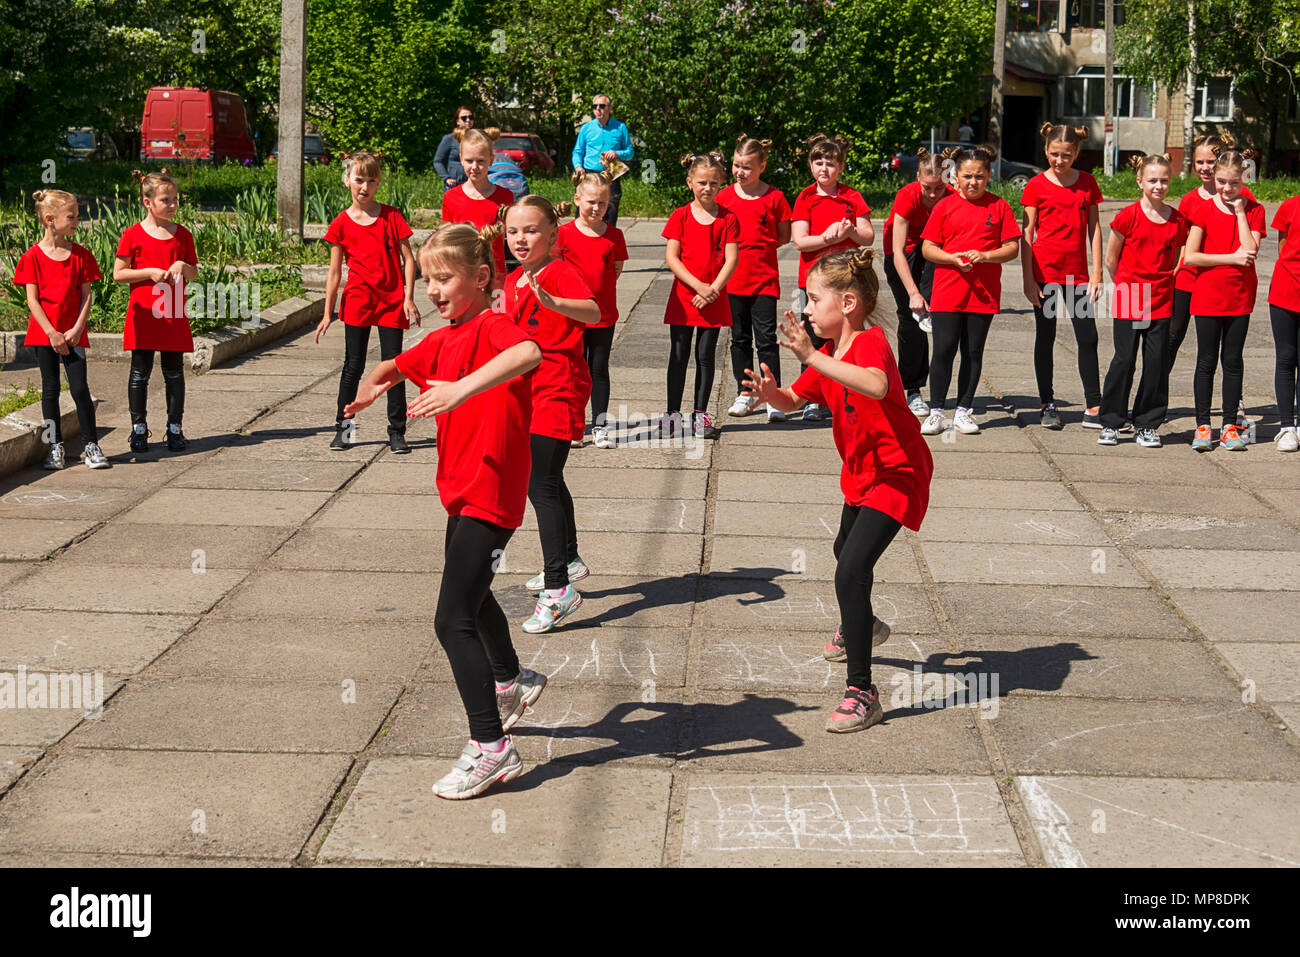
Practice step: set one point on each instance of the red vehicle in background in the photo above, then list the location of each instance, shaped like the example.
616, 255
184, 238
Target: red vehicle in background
526, 150
189, 123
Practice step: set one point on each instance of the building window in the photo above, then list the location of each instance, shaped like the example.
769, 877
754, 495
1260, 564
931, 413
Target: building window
1085, 95
1214, 99
1092, 13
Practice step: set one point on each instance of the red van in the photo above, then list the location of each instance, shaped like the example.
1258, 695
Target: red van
185, 122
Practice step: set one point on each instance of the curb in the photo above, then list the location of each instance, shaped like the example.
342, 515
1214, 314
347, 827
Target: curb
20, 433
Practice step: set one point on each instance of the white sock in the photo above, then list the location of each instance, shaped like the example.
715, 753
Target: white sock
494, 746
556, 592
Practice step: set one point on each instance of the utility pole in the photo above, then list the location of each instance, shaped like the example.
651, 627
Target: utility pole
293, 54
1189, 93
999, 78
1108, 159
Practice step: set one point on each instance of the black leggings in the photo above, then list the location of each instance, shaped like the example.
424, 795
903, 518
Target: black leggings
1219, 337
137, 387
75, 364
356, 341
596, 344
706, 349
954, 331
470, 625
1077, 306
913, 343
1153, 388
554, 507
864, 535
1178, 323
753, 320
1286, 339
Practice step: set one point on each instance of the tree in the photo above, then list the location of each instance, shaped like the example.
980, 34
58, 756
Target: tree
1255, 43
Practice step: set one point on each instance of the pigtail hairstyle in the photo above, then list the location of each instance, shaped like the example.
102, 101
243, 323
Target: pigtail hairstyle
712, 159
851, 269
597, 179
468, 137
48, 201
834, 148
928, 164
1140, 163
747, 146
1060, 133
552, 212
368, 164
149, 182
984, 154
1234, 159
1217, 143
461, 246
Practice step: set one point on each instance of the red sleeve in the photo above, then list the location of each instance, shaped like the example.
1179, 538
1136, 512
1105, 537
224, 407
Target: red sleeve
1123, 222
417, 362
934, 225
89, 268
1196, 217
560, 248
1029, 196
1255, 219
502, 334
1183, 227
801, 212
860, 207
1010, 228
188, 254
1094, 192
809, 385
334, 234
24, 271
568, 282
400, 226
905, 203
1282, 218
873, 351
780, 208
673, 228
730, 228
125, 245
620, 245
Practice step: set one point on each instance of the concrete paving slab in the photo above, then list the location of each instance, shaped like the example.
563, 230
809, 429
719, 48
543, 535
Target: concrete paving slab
1013, 527
1011, 466
212, 506
806, 559
1221, 568
1096, 566
803, 490
261, 446
764, 518
86, 640
750, 603
1141, 530
983, 494
1100, 466
81, 503
47, 859
1149, 738
1290, 715
1180, 500
1002, 439
805, 820
174, 591
65, 700
387, 512
1272, 670
147, 803
583, 817
31, 539
270, 387
1284, 500
816, 461
1236, 615
1061, 610
305, 476
226, 714
664, 602
342, 596
194, 547
12, 571
1275, 471
1128, 822
14, 763
643, 658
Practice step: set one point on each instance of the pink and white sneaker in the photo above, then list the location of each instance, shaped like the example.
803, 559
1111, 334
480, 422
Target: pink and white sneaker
834, 650
858, 711
476, 770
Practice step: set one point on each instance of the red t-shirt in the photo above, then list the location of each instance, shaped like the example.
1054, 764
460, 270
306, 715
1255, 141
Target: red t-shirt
704, 248
483, 453
594, 257
457, 207
1284, 291
958, 224
375, 288
1225, 290
756, 272
170, 329
562, 383
58, 289
1061, 236
821, 212
1144, 281
909, 204
887, 465
1185, 278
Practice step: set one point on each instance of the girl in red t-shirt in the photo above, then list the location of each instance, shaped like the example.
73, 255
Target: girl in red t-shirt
968, 237
1061, 230
1284, 312
597, 250
1146, 240
375, 239
478, 201
548, 299
703, 251
56, 274
1221, 246
156, 256
827, 218
755, 287
910, 275
887, 465
472, 376
1205, 152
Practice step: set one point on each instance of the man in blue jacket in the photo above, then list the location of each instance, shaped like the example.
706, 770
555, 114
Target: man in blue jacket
446, 161
603, 138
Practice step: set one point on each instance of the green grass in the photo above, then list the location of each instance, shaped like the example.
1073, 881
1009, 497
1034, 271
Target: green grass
14, 398
1124, 186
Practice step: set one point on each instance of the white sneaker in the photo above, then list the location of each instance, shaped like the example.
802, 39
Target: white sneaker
1287, 440
577, 569
521, 695
776, 415
933, 423
963, 423
918, 405
600, 438
477, 770
744, 405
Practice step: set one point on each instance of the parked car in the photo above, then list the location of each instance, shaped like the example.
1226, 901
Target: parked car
527, 151
189, 123
313, 150
904, 162
84, 143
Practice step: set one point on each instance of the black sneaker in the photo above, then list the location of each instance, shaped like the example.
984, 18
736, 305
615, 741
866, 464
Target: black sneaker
1049, 418
1091, 421
176, 441
397, 443
338, 445
140, 438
